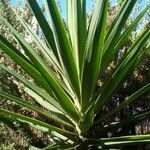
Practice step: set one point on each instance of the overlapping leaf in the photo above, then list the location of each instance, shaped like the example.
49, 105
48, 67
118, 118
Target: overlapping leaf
79, 55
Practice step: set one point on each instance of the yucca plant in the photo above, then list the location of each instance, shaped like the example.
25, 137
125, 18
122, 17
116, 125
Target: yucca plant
75, 55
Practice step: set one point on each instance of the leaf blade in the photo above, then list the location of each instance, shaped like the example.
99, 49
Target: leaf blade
128, 101
124, 68
94, 49
31, 106
34, 122
33, 87
65, 49
48, 74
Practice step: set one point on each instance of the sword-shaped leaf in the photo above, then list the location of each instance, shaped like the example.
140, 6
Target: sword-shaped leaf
127, 101
94, 50
131, 119
45, 27
48, 74
122, 70
64, 45
77, 28
33, 107
125, 140
40, 43
118, 24
52, 102
113, 50
34, 122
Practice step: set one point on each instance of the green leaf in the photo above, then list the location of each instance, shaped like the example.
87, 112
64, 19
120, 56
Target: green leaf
118, 24
35, 57
59, 138
50, 57
64, 79
47, 31
131, 119
77, 28
8, 122
113, 84
52, 102
11, 51
86, 122
94, 49
125, 140
128, 101
49, 107
64, 100
60, 146
113, 50
121, 71
123, 37
31, 106
64, 45
34, 122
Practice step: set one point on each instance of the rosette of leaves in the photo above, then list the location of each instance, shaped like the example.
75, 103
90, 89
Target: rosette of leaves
74, 56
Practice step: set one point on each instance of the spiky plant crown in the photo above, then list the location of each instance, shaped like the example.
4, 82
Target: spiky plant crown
74, 56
